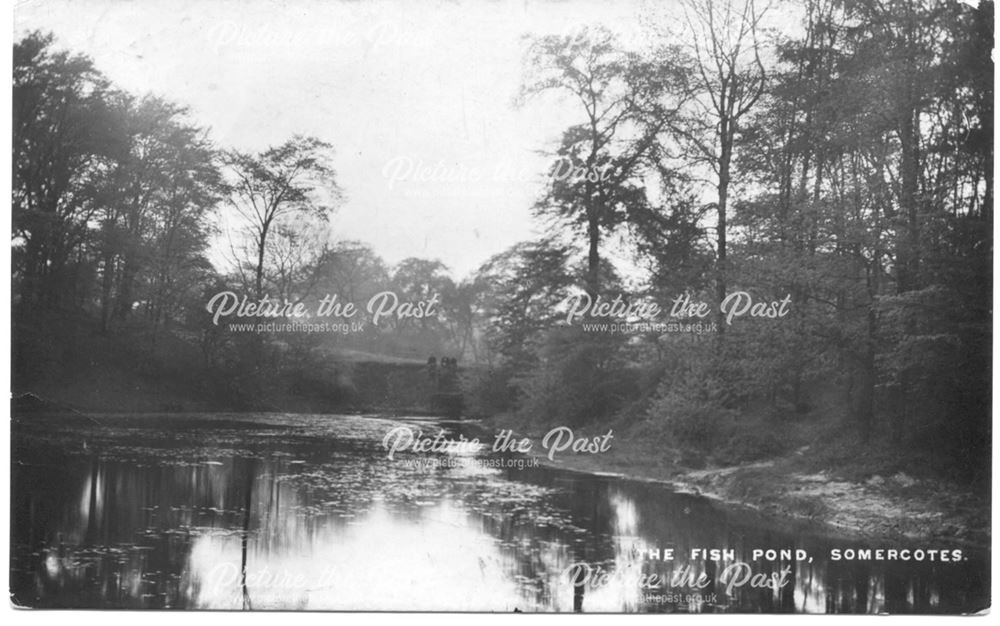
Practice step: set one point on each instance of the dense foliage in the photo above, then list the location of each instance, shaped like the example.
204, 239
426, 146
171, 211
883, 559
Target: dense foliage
845, 163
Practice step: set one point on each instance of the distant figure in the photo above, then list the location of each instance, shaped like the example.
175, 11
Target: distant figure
432, 370
449, 374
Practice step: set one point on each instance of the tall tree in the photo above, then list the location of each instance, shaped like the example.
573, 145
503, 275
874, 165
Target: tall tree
64, 138
154, 204
283, 183
727, 79
597, 179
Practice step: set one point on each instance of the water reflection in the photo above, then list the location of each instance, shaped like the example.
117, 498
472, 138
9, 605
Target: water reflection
298, 512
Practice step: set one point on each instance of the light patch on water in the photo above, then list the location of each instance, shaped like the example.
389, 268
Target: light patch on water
358, 567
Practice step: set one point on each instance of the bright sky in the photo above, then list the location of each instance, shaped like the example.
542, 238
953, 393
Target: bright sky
395, 86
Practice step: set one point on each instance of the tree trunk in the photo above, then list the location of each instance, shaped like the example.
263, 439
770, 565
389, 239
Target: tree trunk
593, 257
107, 281
909, 247
866, 400
723, 188
259, 274
127, 278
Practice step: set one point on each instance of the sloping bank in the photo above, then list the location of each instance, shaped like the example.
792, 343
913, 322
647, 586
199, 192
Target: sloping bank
896, 507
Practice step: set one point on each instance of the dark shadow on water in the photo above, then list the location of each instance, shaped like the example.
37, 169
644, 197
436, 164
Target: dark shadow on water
269, 512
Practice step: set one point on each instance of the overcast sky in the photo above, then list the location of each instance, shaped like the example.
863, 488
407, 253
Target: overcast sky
395, 86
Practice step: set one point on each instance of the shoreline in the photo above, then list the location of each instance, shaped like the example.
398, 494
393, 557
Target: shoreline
776, 489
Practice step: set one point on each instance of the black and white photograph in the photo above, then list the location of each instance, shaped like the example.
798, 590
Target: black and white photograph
502, 306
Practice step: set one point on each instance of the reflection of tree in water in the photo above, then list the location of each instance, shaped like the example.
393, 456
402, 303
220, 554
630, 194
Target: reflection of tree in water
533, 549
107, 533
539, 543
245, 536
128, 541
682, 522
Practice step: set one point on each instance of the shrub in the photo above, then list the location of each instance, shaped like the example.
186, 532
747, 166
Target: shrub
580, 377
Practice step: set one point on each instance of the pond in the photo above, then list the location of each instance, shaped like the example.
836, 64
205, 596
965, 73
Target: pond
273, 511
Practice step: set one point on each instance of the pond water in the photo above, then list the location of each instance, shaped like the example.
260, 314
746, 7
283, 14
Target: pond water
273, 511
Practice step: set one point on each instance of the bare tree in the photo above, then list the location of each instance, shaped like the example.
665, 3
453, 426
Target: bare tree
278, 185
727, 78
